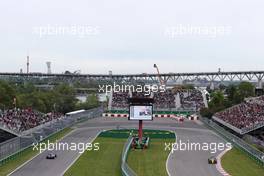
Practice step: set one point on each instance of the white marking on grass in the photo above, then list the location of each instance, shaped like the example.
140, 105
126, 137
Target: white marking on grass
80, 154
167, 161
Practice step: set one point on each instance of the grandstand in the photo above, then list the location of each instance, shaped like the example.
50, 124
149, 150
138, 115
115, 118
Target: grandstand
171, 100
191, 99
245, 117
119, 100
17, 121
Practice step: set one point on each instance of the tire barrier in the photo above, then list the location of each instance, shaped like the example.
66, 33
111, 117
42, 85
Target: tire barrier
193, 117
114, 115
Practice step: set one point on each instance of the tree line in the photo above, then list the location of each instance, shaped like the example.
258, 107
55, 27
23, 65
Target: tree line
227, 96
59, 99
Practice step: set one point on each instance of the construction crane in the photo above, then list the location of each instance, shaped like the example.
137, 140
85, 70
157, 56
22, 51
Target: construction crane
162, 82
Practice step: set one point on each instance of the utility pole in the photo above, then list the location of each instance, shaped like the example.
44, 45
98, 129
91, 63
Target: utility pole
27, 64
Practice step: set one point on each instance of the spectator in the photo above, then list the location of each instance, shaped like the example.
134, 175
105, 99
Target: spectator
20, 120
245, 116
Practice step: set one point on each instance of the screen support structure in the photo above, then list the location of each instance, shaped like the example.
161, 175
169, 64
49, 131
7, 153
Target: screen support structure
140, 130
140, 101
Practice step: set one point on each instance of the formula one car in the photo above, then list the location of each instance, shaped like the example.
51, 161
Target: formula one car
212, 160
51, 156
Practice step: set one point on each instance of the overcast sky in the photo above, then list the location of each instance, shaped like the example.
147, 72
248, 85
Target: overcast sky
129, 36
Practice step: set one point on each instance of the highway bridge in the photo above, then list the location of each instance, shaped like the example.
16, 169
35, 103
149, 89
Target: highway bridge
256, 76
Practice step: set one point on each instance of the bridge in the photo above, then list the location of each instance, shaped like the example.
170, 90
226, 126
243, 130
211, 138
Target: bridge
256, 76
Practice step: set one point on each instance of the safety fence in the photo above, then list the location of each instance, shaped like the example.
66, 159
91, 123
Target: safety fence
252, 152
126, 170
14, 147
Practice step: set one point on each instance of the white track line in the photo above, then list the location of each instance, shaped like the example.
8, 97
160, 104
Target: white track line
219, 166
80, 154
167, 161
36, 156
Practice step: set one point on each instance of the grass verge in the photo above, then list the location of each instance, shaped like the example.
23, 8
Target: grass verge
28, 153
151, 161
105, 161
236, 163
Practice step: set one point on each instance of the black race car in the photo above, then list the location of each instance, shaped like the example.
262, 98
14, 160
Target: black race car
51, 156
212, 160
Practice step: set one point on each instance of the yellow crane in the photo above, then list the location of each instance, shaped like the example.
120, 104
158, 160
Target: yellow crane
162, 82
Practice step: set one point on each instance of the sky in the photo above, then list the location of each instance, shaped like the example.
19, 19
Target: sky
129, 36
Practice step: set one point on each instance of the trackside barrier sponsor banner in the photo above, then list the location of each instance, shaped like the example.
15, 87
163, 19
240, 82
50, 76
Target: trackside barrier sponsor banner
179, 118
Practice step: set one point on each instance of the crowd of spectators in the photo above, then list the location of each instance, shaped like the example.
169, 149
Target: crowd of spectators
164, 100
119, 100
141, 94
245, 116
188, 99
191, 99
19, 120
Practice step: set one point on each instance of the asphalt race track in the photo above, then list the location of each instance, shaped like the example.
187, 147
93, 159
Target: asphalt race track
180, 163
191, 162
43, 167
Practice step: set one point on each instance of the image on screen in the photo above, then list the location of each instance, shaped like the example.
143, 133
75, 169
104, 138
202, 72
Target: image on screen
140, 112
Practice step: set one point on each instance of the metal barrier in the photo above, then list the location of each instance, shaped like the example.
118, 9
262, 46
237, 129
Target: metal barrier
14, 147
126, 170
253, 153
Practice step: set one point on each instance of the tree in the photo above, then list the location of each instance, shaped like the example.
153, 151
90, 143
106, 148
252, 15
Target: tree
7, 95
206, 112
235, 95
246, 89
27, 87
65, 98
217, 99
222, 87
91, 102
32, 100
231, 91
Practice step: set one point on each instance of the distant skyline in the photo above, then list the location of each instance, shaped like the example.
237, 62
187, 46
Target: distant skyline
130, 36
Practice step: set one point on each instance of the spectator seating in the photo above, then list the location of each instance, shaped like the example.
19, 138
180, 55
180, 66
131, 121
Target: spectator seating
183, 99
119, 100
20, 120
246, 116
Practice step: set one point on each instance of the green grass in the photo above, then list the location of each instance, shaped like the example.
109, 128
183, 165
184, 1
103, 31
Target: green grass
237, 163
27, 154
151, 161
106, 161
124, 133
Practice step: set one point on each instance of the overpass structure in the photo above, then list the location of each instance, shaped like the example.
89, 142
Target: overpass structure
256, 76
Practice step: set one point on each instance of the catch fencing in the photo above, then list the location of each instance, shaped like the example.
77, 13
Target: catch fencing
14, 147
252, 152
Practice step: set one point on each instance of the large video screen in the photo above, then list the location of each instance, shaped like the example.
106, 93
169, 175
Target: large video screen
137, 112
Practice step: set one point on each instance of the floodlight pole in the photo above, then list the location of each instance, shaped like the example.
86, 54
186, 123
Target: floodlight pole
140, 130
